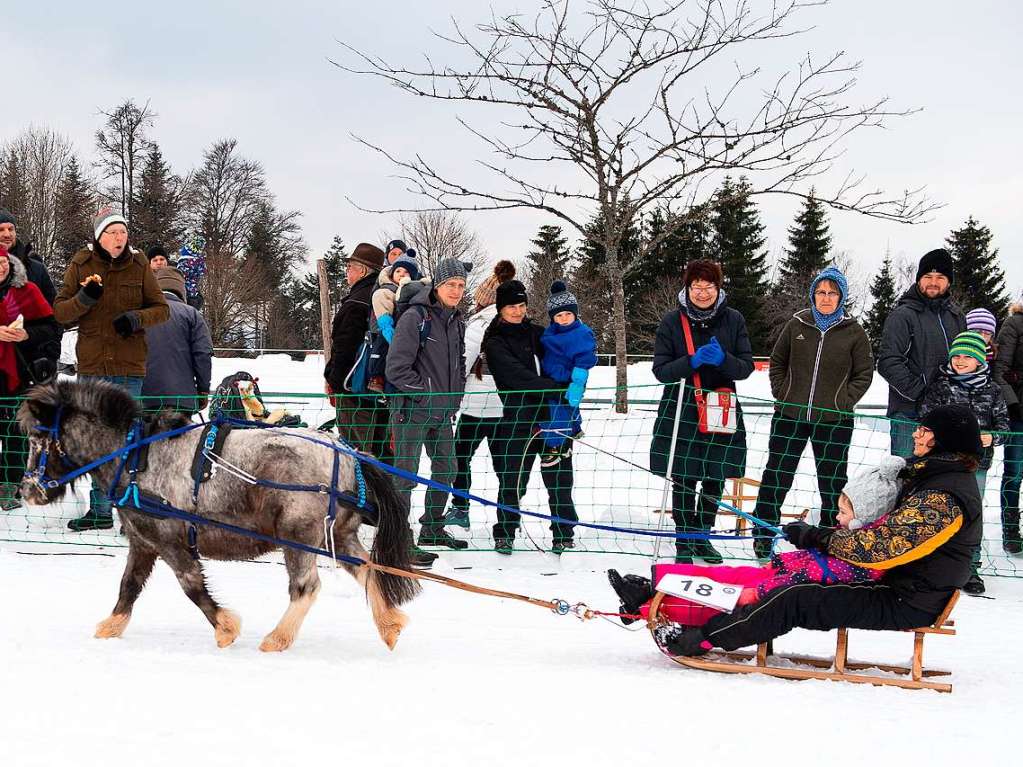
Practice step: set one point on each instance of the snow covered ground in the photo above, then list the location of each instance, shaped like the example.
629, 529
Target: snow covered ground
474, 680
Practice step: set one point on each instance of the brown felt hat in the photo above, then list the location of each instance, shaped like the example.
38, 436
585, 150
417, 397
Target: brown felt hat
369, 256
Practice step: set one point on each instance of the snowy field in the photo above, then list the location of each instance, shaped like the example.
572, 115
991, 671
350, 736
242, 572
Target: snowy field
473, 680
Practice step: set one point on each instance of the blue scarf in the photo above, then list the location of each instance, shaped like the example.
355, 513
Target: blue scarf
827, 321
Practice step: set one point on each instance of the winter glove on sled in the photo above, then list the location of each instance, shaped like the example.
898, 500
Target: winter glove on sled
386, 324
709, 354
127, 324
804, 536
574, 395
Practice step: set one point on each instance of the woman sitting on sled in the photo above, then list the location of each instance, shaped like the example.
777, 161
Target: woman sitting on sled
924, 546
864, 503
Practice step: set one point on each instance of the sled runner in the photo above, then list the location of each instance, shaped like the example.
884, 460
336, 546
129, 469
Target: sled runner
839, 668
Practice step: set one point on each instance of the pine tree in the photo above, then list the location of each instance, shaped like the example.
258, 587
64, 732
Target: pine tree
737, 242
979, 279
13, 192
75, 206
157, 204
884, 295
548, 261
809, 252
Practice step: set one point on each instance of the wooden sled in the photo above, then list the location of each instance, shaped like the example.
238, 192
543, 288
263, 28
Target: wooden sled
839, 669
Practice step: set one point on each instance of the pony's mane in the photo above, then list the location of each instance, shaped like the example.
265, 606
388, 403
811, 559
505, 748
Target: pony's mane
110, 404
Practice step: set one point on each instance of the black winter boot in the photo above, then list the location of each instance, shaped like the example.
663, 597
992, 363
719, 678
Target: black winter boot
633, 590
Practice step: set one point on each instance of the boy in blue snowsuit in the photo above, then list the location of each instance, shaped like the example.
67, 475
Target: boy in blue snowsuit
570, 350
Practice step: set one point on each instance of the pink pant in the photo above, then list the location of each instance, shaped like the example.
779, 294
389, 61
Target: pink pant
688, 613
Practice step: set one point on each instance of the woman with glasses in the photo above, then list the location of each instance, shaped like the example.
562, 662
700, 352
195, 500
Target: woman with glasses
702, 344
821, 366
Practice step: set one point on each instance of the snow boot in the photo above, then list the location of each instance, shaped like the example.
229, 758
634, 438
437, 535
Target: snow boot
633, 590
9, 496
438, 536
457, 517
504, 546
975, 585
91, 521
703, 550
560, 544
421, 560
674, 639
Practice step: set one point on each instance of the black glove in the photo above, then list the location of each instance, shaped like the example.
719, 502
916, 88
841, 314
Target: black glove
804, 536
94, 290
127, 324
1015, 413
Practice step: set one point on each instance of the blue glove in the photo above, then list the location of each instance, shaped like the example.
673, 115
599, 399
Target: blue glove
709, 354
386, 324
574, 394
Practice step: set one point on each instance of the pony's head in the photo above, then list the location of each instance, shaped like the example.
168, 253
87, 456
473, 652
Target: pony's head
69, 424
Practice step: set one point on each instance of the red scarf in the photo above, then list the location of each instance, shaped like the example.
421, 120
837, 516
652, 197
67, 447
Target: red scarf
30, 304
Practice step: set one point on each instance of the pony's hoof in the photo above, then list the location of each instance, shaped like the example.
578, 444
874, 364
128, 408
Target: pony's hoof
228, 627
276, 641
112, 627
390, 630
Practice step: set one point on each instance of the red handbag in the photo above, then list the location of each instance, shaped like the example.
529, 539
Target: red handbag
717, 410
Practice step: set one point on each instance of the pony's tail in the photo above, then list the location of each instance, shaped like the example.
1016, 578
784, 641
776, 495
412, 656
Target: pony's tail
393, 542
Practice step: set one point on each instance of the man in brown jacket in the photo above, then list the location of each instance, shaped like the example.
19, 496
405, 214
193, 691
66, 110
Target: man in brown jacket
111, 293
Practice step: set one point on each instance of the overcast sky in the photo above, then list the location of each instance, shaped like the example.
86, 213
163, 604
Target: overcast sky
258, 71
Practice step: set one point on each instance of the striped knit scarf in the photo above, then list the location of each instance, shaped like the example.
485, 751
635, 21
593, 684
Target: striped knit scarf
978, 379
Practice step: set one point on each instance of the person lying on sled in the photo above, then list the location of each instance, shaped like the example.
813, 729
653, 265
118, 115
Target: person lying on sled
864, 503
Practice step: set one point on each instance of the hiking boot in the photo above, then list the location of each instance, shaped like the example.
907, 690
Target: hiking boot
683, 553
703, 550
674, 639
457, 517
420, 559
504, 545
975, 585
633, 590
762, 548
438, 536
561, 544
1011, 541
91, 521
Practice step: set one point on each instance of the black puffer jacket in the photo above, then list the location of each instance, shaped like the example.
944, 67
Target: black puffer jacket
1008, 365
513, 354
697, 455
914, 346
35, 269
985, 402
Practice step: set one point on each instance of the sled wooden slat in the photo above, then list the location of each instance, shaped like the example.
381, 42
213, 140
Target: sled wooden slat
837, 669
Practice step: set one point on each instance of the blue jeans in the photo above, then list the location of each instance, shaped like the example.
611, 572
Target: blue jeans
1011, 476
901, 428
99, 506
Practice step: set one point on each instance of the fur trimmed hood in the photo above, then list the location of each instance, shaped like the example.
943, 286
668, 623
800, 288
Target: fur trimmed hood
18, 274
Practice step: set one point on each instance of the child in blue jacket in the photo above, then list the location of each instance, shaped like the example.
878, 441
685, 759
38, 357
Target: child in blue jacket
570, 350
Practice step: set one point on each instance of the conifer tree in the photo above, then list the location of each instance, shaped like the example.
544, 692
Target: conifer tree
979, 279
737, 242
303, 294
884, 297
75, 206
808, 252
157, 204
549, 260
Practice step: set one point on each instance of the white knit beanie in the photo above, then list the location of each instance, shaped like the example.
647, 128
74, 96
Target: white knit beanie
873, 491
105, 218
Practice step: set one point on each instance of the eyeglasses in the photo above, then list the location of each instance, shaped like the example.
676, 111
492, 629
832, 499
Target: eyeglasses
702, 291
827, 294
924, 430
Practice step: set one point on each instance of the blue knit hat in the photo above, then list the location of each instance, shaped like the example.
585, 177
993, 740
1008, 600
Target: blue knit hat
561, 300
406, 262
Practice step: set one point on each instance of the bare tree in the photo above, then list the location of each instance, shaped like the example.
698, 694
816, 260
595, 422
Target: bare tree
440, 234
123, 147
34, 164
568, 84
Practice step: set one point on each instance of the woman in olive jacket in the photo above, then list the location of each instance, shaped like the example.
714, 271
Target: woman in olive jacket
821, 367
722, 356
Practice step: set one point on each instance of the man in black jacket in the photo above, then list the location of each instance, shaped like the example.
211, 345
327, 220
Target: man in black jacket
915, 344
361, 420
925, 545
34, 266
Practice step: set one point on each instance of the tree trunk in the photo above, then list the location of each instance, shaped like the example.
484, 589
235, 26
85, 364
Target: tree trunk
614, 275
321, 273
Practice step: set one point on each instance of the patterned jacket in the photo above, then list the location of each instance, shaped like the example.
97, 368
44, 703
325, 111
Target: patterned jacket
811, 566
986, 402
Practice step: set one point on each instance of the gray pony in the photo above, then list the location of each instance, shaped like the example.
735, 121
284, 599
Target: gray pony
94, 419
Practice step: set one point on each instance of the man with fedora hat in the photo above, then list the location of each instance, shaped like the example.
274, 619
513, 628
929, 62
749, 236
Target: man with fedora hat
915, 344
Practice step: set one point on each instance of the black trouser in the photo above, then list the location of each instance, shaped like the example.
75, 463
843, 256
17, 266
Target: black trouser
692, 512
816, 607
469, 435
518, 450
830, 442
15, 446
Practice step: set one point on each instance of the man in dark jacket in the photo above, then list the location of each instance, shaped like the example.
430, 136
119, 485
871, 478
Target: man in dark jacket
925, 546
179, 361
1008, 373
425, 363
361, 420
34, 266
915, 343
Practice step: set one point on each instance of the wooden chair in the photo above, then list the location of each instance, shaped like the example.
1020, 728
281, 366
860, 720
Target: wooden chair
838, 669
